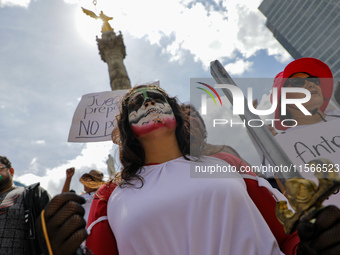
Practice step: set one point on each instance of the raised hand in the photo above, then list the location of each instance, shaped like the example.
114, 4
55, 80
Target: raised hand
70, 172
65, 225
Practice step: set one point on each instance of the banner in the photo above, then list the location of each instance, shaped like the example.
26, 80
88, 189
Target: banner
311, 142
95, 117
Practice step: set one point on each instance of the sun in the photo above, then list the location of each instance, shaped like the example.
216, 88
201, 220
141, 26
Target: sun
87, 27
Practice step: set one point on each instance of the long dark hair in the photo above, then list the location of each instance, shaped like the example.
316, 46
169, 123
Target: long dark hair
132, 155
198, 135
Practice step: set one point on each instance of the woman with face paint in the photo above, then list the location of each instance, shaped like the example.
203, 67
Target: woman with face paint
158, 207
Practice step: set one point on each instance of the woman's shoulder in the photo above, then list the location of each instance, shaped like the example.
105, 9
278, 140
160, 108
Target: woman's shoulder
104, 192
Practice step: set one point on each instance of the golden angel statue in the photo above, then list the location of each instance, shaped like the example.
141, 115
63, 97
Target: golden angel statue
106, 26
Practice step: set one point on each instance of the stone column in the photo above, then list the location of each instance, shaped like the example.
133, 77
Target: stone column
112, 51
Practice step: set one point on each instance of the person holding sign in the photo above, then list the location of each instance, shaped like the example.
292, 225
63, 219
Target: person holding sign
314, 135
309, 74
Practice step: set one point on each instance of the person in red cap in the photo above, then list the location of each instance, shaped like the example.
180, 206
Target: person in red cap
316, 77
313, 75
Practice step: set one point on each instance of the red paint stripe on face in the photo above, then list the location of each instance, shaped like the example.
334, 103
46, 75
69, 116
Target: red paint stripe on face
153, 125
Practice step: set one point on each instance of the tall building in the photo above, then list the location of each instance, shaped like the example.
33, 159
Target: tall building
306, 28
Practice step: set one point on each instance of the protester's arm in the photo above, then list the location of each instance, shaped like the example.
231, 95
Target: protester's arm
64, 225
69, 175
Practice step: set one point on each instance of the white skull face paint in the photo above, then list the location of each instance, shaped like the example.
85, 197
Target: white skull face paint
149, 110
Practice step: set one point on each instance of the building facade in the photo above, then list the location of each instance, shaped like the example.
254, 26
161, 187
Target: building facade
306, 28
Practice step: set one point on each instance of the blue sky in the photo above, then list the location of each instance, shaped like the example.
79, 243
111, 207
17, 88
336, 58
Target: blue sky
49, 59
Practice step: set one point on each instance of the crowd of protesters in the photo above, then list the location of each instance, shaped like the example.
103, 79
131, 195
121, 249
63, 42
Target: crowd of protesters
154, 205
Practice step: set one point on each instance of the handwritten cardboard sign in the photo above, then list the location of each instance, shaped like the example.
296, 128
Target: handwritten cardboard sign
95, 117
316, 141
320, 140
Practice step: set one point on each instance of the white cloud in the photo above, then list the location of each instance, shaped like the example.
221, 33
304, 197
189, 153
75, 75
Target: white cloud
34, 166
265, 102
239, 67
38, 134
93, 156
20, 3
282, 57
41, 142
71, 1
208, 33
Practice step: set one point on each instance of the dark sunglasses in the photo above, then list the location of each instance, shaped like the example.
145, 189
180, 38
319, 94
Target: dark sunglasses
139, 99
300, 82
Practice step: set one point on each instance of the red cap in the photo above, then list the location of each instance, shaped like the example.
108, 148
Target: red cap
313, 67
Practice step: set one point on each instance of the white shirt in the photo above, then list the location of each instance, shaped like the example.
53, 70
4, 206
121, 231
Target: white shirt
88, 201
174, 213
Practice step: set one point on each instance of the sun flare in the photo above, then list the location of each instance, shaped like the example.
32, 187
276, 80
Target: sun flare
87, 27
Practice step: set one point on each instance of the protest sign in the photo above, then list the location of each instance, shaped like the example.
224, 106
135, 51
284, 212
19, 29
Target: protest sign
317, 141
312, 142
95, 117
